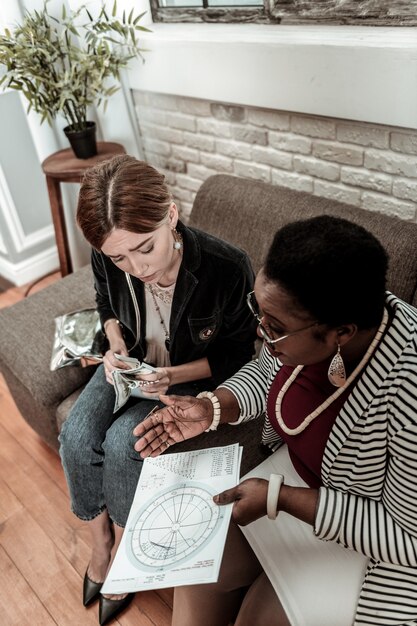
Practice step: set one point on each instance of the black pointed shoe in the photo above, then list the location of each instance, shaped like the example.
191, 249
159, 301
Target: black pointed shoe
110, 609
91, 590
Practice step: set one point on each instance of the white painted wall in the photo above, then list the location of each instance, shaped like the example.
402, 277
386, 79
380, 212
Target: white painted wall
27, 242
358, 73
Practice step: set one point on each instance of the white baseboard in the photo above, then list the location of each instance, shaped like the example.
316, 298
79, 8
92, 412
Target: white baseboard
31, 268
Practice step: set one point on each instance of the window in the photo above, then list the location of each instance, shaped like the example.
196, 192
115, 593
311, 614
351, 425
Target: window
209, 11
348, 12
206, 4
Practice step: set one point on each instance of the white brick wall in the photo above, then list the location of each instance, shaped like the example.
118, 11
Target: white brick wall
370, 166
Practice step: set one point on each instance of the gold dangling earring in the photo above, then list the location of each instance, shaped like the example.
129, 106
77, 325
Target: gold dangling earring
337, 371
177, 239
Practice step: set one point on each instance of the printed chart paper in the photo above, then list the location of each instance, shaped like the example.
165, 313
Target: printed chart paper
175, 533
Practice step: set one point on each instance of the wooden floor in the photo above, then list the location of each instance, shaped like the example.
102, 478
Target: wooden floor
44, 548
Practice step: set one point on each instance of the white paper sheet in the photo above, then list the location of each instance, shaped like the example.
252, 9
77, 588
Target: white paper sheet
175, 533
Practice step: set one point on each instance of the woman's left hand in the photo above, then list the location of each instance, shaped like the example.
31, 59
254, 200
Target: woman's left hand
157, 383
249, 500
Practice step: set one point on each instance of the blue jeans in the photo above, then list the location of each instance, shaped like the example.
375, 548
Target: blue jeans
100, 463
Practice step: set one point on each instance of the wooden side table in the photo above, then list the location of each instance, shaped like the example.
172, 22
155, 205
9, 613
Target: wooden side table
64, 167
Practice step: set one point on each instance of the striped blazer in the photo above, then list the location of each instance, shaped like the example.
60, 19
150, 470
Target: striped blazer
368, 501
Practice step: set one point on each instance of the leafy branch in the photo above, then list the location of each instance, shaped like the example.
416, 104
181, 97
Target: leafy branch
65, 65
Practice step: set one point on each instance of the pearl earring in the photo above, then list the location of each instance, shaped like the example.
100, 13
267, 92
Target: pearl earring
177, 239
337, 371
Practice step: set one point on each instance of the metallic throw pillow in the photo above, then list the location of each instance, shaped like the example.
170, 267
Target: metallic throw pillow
78, 339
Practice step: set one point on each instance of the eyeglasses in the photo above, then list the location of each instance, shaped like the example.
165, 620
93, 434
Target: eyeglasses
266, 334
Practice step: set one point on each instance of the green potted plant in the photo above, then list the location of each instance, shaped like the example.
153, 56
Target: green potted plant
64, 65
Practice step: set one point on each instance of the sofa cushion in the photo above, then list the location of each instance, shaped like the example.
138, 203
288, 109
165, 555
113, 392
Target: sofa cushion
26, 347
248, 213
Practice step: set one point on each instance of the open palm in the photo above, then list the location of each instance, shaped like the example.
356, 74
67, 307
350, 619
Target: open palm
183, 417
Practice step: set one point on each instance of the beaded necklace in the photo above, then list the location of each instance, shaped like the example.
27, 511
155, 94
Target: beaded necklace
336, 394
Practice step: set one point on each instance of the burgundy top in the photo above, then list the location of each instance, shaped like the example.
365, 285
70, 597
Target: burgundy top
304, 395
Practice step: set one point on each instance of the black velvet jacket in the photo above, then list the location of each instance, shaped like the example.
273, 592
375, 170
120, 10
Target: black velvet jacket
209, 315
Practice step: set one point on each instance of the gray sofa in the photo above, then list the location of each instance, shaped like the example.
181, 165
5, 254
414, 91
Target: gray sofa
244, 212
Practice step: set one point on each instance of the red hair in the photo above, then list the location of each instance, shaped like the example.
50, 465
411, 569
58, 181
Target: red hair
121, 193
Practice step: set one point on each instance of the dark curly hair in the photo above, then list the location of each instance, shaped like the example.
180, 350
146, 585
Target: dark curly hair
333, 268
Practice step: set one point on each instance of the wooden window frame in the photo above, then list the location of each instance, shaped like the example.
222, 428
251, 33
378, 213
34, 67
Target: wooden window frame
222, 15
351, 12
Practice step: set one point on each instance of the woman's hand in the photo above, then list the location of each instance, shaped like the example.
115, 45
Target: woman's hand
184, 417
157, 383
111, 363
249, 500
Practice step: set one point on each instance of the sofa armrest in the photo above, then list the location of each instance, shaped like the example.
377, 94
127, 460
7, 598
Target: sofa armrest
26, 347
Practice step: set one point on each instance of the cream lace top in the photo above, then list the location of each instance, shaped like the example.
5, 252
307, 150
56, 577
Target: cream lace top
157, 354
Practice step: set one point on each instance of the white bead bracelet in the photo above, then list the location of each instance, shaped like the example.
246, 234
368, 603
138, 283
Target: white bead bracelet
275, 483
216, 408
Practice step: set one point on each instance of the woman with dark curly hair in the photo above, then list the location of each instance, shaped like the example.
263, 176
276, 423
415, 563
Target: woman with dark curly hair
337, 379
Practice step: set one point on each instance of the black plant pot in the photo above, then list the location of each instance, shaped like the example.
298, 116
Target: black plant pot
83, 142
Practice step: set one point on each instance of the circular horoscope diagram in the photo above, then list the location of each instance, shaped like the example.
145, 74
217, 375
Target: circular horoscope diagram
170, 528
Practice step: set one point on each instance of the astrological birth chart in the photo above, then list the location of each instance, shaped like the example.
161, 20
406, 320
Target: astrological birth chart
175, 533
174, 526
